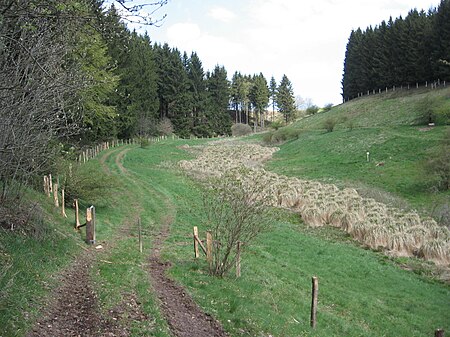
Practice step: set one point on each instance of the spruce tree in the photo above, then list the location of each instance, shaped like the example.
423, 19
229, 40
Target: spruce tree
285, 99
272, 94
218, 87
260, 98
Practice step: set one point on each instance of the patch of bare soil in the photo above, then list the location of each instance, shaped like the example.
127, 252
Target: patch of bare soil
184, 316
74, 309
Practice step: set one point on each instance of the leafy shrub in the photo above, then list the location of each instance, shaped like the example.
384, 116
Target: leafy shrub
327, 107
426, 107
329, 124
281, 135
165, 127
235, 211
312, 110
240, 129
276, 125
89, 183
267, 137
442, 115
143, 142
25, 218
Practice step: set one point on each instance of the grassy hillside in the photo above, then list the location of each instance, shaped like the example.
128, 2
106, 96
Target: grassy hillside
384, 125
361, 292
273, 295
400, 108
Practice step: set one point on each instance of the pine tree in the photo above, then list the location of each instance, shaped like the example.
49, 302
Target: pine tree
286, 99
197, 88
219, 97
441, 41
259, 98
272, 94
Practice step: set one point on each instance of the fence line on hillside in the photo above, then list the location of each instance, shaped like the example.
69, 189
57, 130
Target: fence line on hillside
408, 86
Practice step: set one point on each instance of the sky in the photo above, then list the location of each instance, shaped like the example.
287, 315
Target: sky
304, 39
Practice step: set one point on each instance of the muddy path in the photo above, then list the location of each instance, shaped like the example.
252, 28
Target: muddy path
73, 308
184, 316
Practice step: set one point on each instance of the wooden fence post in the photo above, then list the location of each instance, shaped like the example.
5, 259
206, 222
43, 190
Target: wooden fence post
439, 333
77, 214
50, 183
55, 195
63, 206
209, 248
238, 259
315, 290
140, 235
46, 186
196, 253
90, 225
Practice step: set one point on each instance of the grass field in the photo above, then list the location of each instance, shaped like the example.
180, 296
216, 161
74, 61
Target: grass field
361, 292
386, 127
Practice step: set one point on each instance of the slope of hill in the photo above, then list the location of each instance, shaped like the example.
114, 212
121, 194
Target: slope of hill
388, 126
361, 292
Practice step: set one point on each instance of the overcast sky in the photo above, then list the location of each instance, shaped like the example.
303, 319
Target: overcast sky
304, 39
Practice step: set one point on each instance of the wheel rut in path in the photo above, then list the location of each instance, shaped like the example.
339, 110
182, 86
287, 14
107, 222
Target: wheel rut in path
184, 316
73, 308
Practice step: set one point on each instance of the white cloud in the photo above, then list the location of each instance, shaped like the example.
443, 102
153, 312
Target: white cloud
181, 34
222, 14
305, 40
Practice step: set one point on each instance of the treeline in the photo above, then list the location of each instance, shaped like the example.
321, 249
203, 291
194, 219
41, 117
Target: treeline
73, 74
399, 52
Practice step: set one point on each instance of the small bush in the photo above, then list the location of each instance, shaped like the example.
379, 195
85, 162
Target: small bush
276, 125
239, 129
327, 107
293, 134
312, 110
329, 124
143, 142
235, 211
165, 127
25, 218
267, 137
426, 108
89, 183
281, 135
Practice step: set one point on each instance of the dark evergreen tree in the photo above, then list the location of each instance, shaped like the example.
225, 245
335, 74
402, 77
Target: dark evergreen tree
218, 87
273, 94
399, 52
286, 99
441, 41
259, 97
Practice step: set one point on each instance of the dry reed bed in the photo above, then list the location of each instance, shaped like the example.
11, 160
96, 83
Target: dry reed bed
374, 224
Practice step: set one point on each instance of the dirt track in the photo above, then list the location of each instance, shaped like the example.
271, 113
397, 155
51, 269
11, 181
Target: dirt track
184, 316
73, 308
